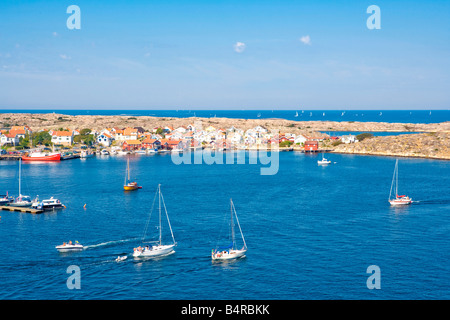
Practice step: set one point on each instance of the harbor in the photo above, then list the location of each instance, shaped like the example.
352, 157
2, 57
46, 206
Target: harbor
307, 227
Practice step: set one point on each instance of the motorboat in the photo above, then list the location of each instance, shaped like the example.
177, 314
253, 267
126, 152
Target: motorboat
140, 151
152, 151
323, 161
86, 154
230, 252
48, 204
121, 258
104, 152
5, 199
65, 247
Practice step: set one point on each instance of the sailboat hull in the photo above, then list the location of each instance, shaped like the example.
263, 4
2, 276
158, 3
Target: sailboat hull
232, 254
154, 251
131, 187
400, 202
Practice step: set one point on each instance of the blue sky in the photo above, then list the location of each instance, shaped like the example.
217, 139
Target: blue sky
224, 55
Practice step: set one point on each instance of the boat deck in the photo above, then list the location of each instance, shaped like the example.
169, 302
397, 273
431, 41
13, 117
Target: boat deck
21, 209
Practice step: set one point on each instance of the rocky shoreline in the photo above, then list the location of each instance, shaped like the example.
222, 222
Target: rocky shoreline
431, 141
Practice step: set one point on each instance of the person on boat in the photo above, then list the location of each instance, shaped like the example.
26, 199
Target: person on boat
70, 242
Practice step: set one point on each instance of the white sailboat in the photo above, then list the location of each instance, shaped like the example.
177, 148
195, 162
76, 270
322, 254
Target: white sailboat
21, 200
296, 114
230, 251
158, 249
398, 199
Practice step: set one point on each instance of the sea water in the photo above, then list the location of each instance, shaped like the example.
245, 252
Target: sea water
312, 231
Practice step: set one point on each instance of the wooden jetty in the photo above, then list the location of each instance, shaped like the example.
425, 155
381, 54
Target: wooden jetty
21, 209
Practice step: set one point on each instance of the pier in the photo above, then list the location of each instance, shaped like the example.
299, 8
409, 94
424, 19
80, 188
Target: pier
21, 209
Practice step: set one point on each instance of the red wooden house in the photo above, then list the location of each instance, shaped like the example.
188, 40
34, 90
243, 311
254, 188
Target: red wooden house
311, 146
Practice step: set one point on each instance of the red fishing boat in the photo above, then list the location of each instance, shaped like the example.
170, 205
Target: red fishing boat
42, 156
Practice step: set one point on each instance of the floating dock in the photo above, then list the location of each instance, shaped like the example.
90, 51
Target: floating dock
21, 209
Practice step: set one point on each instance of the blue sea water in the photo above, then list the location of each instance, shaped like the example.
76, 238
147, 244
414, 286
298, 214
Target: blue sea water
312, 231
392, 116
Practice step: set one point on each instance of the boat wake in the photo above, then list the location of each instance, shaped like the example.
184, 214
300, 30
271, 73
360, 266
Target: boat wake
432, 201
109, 243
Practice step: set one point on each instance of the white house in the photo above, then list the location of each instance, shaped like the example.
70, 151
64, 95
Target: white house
350, 138
104, 139
62, 137
9, 138
300, 139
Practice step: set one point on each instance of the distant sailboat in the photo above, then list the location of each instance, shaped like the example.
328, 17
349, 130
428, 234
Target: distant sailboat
398, 199
296, 114
230, 252
159, 249
259, 115
128, 184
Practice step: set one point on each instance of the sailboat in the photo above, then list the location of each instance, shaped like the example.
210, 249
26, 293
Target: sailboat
21, 200
159, 249
128, 184
296, 114
398, 199
230, 251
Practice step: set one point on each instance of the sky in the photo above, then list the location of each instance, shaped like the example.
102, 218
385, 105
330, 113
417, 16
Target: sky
196, 54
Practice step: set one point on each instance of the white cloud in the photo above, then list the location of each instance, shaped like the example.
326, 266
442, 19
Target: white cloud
239, 47
306, 40
64, 57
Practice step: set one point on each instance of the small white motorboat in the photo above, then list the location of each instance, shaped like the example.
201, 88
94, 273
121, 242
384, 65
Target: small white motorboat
323, 161
69, 246
48, 204
86, 154
121, 258
104, 152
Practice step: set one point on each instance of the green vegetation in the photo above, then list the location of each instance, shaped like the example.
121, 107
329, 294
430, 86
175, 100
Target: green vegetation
41, 138
365, 135
286, 143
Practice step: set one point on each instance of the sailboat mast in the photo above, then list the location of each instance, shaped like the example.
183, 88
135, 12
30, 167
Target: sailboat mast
20, 165
232, 224
159, 200
128, 168
396, 179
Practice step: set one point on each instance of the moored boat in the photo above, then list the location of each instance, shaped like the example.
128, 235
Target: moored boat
5, 199
86, 154
48, 204
42, 156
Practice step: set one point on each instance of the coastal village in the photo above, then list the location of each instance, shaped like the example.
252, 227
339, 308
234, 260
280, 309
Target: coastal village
20, 133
